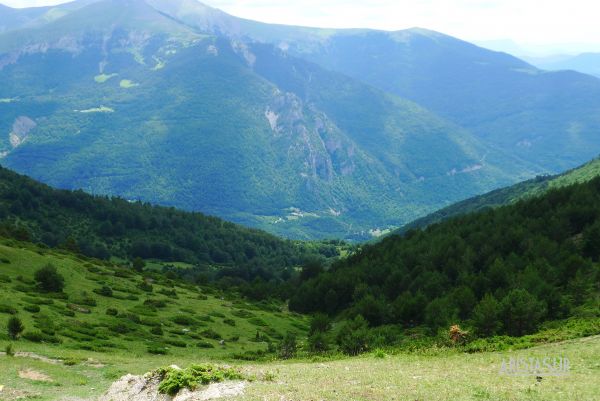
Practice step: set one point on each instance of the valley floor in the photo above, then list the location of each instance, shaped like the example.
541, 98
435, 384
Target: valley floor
443, 375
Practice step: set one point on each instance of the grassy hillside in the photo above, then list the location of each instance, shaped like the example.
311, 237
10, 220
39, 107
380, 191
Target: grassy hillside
509, 195
105, 308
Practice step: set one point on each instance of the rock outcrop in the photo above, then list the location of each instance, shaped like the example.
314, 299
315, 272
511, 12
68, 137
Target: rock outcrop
145, 388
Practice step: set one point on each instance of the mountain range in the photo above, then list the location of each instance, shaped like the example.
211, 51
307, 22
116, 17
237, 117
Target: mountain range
588, 63
304, 132
508, 195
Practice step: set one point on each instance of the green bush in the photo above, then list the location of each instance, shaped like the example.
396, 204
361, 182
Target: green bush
242, 313
352, 338
183, 320
317, 342
32, 308
210, 333
156, 303
105, 291
319, 323
204, 344
9, 310
9, 350
112, 312
176, 343
216, 314
169, 293
174, 380
258, 322
15, 327
157, 350
156, 330
39, 337
49, 280
288, 346
229, 322
145, 286
5, 279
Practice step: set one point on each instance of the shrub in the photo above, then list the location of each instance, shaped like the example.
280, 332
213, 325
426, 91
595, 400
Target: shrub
288, 346
156, 330
257, 322
9, 310
5, 279
176, 343
138, 264
39, 337
242, 313
457, 335
379, 353
210, 333
49, 280
145, 286
157, 350
174, 380
132, 317
353, 336
216, 314
169, 293
112, 312
183, 320
9, 349
15, 327
32, 308
319, 323
105, 291
155, 303
204, 344
317, 342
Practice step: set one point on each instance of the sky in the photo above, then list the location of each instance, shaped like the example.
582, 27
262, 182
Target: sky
531, 27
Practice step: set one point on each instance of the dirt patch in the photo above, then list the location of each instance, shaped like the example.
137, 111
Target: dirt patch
31, 374
37, 357
94, 363
9, 394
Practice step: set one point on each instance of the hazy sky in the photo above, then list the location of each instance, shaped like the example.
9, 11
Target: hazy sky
541, 24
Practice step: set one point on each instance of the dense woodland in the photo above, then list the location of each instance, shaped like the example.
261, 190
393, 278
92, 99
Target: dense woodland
105, 227
501, 271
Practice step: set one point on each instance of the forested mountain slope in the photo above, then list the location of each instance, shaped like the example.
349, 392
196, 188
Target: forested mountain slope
106, 227
503, 270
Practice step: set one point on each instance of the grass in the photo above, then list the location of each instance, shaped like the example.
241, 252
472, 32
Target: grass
445, 375
149, 330
142, 314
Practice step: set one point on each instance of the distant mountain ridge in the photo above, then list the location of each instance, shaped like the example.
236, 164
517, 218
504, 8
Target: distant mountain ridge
181, 104
509, 195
